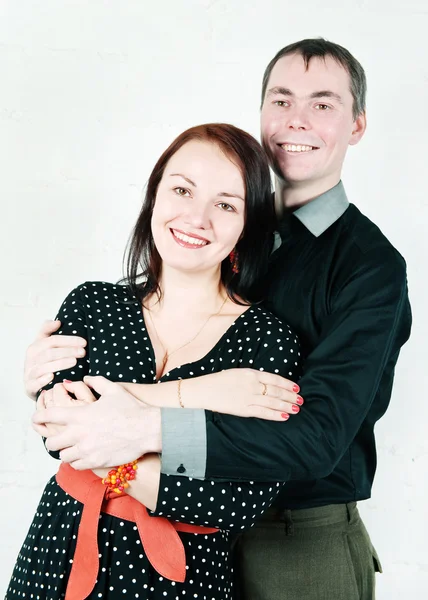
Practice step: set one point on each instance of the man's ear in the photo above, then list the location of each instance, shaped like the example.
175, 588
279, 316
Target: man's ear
358, 129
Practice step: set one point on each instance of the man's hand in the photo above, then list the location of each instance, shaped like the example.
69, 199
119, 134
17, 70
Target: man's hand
59, 395
49, 354
115, 429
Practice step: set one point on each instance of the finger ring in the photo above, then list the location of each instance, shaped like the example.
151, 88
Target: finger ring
264, 392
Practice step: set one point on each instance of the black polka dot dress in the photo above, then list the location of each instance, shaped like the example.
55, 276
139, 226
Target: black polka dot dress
119, 348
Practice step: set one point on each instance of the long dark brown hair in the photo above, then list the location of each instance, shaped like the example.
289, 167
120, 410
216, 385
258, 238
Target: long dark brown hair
144, 264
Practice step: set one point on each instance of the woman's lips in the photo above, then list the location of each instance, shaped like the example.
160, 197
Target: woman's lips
187, 240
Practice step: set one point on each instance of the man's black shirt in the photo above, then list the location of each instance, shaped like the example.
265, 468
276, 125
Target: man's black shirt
342, 286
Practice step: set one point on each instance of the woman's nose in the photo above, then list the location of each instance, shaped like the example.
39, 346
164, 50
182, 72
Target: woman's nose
198, 215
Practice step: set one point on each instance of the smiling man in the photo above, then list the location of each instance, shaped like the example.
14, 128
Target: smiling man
340, 283
309, 118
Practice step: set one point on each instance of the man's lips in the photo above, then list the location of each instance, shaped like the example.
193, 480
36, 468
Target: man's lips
297, 148
188, 240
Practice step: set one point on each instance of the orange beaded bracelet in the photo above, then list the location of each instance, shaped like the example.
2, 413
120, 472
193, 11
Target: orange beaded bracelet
117, 479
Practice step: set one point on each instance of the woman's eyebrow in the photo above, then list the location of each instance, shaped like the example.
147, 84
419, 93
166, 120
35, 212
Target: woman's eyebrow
229, 195
184, 177
221, 194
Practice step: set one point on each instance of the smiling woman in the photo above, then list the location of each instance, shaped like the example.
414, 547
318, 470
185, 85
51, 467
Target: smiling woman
210, 189
200, 244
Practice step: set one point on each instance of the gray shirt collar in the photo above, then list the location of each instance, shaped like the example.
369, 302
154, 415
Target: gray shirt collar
319, 214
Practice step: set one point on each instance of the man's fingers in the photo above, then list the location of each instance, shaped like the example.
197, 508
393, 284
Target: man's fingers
59, 441
46, 344
80, 390
80, 465
69, 455
47, 329
40, 370
58, 415
42, 430
37, 384
53, 354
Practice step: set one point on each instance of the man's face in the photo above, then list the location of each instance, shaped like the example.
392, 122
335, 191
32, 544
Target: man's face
307, 122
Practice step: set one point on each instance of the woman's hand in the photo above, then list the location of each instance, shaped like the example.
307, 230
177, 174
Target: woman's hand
243, 393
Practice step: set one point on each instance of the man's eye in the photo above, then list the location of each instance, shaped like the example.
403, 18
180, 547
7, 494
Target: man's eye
322, 107
281, 103
181, 191
226, 207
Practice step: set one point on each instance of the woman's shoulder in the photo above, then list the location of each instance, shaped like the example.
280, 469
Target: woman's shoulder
266, 324
102, 290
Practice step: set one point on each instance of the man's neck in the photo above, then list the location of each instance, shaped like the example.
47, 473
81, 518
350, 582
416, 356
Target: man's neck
293, 196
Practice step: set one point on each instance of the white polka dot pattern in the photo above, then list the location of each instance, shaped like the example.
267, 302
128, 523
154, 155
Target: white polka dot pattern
119, 348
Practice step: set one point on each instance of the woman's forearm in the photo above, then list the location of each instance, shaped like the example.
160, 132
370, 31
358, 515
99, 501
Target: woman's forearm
165, 395
145, 487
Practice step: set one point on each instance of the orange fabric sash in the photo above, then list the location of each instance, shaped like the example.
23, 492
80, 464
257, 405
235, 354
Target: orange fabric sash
161, 542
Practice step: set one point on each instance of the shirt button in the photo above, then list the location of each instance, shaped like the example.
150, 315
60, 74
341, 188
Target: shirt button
181, 469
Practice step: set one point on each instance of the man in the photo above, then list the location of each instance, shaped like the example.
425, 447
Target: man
338, 281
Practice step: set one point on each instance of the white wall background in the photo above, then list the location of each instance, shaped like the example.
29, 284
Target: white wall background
90, 95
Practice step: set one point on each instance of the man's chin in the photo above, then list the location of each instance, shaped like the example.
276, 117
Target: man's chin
292, 177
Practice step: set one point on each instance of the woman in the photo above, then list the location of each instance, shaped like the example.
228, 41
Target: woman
201, 242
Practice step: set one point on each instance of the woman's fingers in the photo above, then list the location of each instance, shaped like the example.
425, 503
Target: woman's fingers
273, 403
60, 396
268, 385
277, 381
267, 414
40, 404
80, 390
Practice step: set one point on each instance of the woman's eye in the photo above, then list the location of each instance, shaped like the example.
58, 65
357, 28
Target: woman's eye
226, 207
181, 191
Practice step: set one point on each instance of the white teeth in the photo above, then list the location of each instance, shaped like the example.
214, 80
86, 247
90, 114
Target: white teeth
298, 148
189, 240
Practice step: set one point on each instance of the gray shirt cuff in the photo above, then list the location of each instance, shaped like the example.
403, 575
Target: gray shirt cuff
184, 442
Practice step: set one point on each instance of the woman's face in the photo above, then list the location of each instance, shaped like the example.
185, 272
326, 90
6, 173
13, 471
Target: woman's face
199, 209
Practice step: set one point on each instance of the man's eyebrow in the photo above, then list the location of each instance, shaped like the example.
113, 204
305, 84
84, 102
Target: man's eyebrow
283, 91
184, 177
278, 90
327, 94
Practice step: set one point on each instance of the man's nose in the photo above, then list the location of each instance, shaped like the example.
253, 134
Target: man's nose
298, 118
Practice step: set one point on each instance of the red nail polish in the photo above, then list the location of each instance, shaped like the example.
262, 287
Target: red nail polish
67, 381
296, 388
299, 400
285, 416
295, 408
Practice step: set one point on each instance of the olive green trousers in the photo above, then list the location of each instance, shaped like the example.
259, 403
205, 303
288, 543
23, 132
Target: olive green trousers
320, 553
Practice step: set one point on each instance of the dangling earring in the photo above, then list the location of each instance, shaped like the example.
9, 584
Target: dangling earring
233, 256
